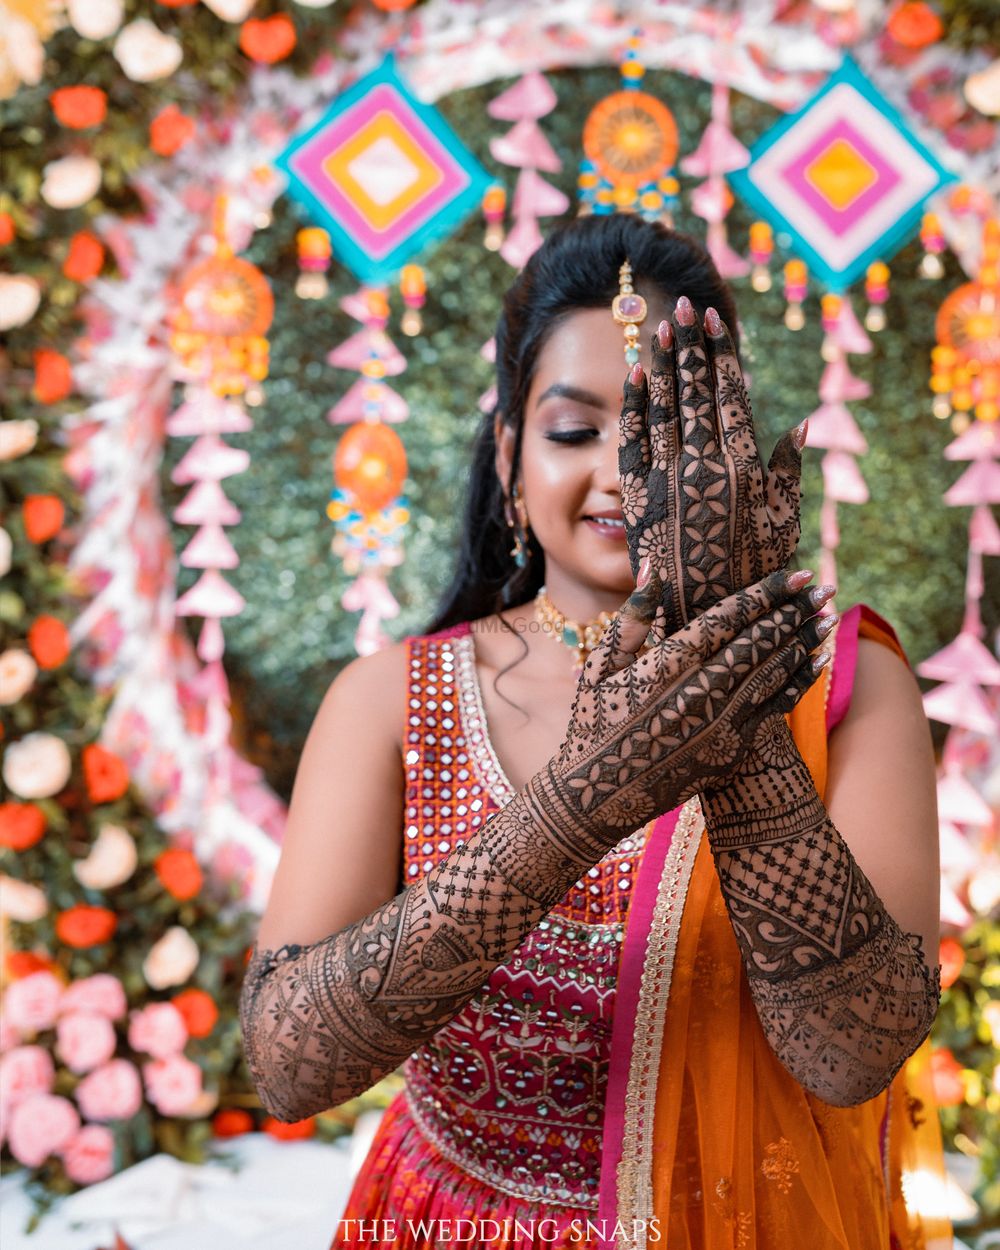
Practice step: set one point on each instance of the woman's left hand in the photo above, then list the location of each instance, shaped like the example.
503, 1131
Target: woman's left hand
695, 495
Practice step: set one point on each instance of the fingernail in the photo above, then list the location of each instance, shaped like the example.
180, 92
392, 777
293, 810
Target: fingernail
827, 624
665, 333
684, 311
822, 594
821, 661
645, 572
795, 581
635, 377
799, 437
713, 322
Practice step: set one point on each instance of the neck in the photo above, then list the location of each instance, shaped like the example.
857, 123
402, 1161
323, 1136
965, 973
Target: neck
578, 602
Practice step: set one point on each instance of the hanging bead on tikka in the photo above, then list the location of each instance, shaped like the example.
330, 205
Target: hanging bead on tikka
629, 310
580, 638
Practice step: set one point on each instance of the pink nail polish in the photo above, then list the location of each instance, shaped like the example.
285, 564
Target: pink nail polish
684, 311
799, 436
797, 580
645, 571
713, 322
665, 333
635, 377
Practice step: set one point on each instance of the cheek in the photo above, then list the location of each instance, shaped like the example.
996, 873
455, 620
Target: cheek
555, 479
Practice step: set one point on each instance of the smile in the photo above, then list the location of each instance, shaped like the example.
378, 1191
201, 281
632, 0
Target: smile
607, 527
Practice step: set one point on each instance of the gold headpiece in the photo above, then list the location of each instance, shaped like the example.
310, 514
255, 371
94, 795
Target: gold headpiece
629, 310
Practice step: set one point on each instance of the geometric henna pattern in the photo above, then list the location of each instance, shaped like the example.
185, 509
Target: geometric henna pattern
843, 995
323, 1022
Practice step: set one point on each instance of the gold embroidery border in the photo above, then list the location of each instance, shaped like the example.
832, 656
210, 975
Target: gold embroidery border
634, 1172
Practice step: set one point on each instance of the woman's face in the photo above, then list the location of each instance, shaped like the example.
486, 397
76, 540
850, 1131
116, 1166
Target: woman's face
569, 457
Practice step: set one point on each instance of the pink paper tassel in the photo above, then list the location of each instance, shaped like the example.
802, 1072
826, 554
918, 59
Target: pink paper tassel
831, 426
525, 147
838, 384
211, 595
729, 263
961, 703
850, 335
719, 152
963, 659
708, 200
534, 197
842, 478
210, 549
207, 415
211, 640
530, 97
206, 504
979, 484
521, 242
365, 345
981, 441
488, 351
351, 407
210, 457
959, 802
356, 304
984, 533
488, 400
956, 855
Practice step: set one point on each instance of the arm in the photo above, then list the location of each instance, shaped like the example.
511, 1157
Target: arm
324, 1018
835, 908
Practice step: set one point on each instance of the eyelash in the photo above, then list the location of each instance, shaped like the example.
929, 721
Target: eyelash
570, 436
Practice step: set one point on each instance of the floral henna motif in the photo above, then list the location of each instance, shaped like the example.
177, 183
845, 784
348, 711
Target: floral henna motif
844, 996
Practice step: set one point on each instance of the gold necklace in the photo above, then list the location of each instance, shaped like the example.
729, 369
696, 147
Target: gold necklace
580, 638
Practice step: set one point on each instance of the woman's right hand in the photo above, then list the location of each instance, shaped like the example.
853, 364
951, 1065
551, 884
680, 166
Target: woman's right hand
648, 731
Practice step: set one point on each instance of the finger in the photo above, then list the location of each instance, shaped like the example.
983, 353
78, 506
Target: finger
633, 459
784, 491
801, 681
776, 673
705, 484
750, 524
624, 637
663, 485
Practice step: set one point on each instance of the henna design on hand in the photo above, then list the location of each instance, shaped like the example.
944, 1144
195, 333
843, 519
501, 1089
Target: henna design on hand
844, 996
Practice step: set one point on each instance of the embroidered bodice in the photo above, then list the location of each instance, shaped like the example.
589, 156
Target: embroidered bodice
512, 1090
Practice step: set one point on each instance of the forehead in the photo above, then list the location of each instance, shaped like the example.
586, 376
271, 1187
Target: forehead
587, 348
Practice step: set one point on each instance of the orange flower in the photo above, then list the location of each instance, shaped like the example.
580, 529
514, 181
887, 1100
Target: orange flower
179, 873
169, 130
915, 24
85, 257
48, 639
23, 963
79, 107
43, 517
176, 4
6, 229
105, 773
21, 825
298, 1131
951, 957
53, 379
84, 926
231, 1122
199, 1011
946, 1078
268, 39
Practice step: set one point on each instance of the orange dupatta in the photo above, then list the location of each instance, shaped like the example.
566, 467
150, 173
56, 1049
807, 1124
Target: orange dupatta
716, 1146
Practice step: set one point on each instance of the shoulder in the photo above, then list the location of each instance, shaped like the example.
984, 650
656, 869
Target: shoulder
373, 688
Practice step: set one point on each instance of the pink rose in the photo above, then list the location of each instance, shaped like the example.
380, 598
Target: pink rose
158, 1029
84, 1040
40, 1126
89, 1155
173, 1084
102, 994
9, 1036
31, 1003
25, 1071
111, 1092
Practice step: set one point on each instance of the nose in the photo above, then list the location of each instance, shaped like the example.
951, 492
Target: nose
606, 477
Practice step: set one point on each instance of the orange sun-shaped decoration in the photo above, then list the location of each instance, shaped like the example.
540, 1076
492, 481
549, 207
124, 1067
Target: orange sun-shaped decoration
225, 296
969, 321
631, 137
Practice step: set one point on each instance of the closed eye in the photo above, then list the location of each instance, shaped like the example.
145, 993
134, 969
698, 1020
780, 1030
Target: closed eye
571, 436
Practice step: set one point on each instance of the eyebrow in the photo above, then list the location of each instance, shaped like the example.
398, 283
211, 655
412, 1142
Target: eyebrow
564, 390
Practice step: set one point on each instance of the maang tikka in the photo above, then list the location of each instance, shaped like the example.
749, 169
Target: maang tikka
629, 310
517, 520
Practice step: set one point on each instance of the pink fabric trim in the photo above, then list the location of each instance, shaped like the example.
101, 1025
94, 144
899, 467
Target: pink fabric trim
633, 957
844, 663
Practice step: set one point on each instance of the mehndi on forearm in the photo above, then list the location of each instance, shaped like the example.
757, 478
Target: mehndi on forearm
323, 1022
844, 996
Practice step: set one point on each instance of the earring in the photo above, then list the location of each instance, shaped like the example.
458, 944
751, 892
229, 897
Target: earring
520, 551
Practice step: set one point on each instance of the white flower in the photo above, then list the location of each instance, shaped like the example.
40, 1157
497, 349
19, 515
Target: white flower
6, 548
71, 181
21, 901
315, 4
145, 53
37, 766
171, 960
111, 861
982, 90
18, 671
21, 53
17, 438
19, 297
230, 10
96, 19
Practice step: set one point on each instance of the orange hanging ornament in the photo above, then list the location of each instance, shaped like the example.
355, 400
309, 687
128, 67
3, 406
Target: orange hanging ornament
370, 463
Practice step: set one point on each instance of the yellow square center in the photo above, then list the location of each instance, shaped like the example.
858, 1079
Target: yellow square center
840, 174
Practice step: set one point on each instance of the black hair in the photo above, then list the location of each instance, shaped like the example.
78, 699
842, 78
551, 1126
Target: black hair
576, 267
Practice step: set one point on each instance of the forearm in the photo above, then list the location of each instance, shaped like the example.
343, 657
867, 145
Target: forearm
322, 1023
843, 994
